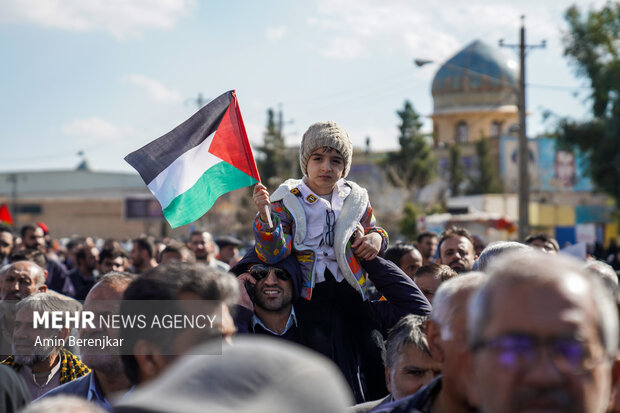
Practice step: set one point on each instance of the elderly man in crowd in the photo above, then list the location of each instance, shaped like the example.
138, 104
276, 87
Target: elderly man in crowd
408, 362
38, 353
447, 338
544, 334
456, 249
107, 376
17, 281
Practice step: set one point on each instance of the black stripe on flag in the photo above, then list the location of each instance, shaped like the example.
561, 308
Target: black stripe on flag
156, 156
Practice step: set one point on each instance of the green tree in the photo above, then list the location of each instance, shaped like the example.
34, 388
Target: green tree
272, 165
414, 165
457, 170
487, 181
408, 225
592, 43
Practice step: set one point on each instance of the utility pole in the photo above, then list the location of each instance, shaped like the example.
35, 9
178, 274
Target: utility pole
199, 101
280, 123
524, 179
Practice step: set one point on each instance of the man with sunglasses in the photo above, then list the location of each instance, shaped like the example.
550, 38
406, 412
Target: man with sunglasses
544, 336
267, 294
336, 322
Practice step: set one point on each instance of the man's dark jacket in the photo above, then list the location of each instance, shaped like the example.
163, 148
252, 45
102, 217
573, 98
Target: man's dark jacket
419, 402
343, 327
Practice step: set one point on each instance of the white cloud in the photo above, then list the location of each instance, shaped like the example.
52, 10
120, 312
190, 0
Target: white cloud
155, 89
121, 18
93, 129
275, 33
363, 28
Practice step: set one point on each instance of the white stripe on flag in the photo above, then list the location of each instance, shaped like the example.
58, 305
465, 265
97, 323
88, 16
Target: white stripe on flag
183, 173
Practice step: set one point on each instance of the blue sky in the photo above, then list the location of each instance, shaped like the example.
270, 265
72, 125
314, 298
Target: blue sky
108, 76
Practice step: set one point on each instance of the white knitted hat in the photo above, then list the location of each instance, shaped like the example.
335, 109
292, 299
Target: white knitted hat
326, 134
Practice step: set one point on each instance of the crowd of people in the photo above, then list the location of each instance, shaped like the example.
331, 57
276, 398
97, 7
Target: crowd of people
320, 314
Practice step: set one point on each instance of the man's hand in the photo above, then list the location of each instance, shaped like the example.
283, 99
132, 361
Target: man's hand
366, 247
244, 298
261, 200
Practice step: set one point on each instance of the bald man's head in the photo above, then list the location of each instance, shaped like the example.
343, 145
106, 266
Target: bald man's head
20, 280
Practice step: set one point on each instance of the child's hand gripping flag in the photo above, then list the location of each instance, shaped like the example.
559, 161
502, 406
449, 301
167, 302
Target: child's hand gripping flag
206, 156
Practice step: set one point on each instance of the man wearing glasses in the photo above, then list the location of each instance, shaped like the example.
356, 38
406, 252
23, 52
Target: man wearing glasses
267, 294
543, 335
335, 323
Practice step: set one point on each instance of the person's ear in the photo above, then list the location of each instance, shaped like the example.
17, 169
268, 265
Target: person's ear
471, 388
149, 359
46, 274
388, 383
433, 336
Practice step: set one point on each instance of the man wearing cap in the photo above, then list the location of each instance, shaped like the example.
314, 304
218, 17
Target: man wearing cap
336, 323
229, 249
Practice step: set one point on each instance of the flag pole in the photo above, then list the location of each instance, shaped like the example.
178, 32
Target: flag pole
251, 160
268, 213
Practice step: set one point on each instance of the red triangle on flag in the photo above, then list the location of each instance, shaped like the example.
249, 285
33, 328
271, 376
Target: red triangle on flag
5, 215
230, 142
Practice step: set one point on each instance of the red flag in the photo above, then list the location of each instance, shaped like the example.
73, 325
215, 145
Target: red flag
5, 215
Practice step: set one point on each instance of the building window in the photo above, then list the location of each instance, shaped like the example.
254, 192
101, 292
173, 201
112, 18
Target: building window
142, 208
461, 132
496, 129
32, 209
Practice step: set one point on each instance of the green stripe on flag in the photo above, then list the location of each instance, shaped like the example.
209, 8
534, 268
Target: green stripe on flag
196, 201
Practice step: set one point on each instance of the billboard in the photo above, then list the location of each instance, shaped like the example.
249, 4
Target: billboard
551, 169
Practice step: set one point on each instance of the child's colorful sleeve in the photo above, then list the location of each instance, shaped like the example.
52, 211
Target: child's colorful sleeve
274, 244
369, 222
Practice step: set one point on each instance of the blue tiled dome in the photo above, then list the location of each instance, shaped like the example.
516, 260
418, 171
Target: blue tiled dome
477, 68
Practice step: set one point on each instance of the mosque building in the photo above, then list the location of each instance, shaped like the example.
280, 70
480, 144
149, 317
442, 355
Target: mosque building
475, 96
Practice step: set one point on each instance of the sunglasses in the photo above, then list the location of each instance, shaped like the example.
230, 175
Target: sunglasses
261, 271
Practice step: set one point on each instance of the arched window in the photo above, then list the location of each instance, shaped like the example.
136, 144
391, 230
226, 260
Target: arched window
461, 132
496, 129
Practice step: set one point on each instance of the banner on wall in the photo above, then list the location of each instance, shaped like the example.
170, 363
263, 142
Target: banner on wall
551, 169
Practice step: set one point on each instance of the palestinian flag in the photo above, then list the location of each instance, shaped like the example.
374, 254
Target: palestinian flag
206, 156
5, 215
